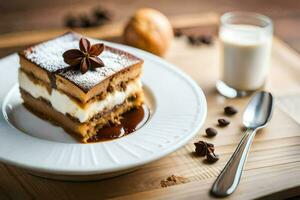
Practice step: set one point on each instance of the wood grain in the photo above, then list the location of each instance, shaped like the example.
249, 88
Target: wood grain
273, 166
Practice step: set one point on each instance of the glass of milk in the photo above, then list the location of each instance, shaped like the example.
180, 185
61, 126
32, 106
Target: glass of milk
246, 40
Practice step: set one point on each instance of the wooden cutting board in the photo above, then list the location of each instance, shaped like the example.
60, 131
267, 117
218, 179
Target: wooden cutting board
273, 166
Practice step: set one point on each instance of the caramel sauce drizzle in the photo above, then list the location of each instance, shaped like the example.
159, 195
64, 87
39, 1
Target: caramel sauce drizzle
130, 122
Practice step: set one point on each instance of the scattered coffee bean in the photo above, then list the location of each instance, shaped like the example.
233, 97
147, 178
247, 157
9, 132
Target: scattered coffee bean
211, 157
230, 110
98, 17
193, 40
211, 132
199, 39
178, 33
206, 39
203, 147
223, 122
86, 21
102, 14
71, 21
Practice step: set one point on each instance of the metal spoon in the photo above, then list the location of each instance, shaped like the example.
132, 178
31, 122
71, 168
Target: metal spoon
256, 116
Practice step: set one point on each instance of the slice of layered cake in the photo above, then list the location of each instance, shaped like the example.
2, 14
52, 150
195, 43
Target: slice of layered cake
78, 84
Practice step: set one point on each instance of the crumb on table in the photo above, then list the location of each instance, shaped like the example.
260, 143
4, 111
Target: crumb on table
173, 180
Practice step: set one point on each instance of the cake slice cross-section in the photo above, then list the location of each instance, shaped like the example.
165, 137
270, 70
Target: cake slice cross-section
81, 103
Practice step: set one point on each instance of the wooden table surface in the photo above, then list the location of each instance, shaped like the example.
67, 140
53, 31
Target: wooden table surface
17, 184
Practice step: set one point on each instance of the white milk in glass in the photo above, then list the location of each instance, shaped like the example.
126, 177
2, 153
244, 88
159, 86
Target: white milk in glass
246, 53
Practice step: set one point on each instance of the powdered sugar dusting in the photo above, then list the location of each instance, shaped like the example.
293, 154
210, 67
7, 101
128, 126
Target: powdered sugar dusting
48, 55
113, 63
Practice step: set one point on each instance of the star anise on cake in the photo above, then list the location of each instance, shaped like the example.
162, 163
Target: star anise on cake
86, 57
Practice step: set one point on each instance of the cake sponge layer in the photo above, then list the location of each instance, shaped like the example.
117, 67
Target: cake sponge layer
66, 105
82, 131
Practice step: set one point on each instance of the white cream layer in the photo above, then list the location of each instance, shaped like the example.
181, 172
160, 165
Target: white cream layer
64, 104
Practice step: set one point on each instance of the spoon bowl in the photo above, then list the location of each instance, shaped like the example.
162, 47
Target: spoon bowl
259, 111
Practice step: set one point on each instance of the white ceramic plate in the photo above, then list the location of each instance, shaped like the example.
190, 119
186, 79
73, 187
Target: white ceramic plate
178, 111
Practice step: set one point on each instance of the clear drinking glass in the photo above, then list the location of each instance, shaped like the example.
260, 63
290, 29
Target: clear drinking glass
246, 40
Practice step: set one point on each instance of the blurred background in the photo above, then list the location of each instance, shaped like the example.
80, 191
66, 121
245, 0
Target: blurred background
26, 15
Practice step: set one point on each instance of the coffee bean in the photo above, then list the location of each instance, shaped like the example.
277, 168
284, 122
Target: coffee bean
85, 21
206, 39
97, 17
211, 132
230, 110
102, 14
211, 157
193, 40
178, 33
223, 122
71, 22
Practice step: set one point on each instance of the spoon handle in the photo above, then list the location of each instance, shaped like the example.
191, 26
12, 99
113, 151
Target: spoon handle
229, 178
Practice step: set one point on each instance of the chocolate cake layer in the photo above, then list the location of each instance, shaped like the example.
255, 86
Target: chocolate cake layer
65, 104
82, 131
118, 86
45, 62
